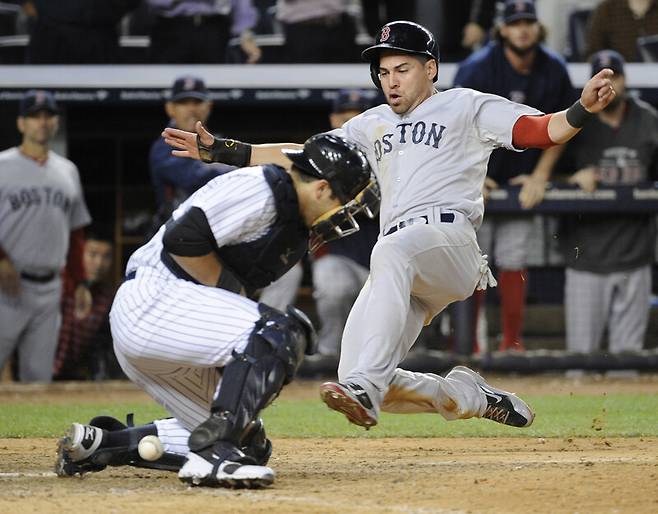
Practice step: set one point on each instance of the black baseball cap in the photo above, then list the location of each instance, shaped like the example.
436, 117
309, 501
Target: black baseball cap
189, 86
607, 59
36, 100
350, 100
519, 10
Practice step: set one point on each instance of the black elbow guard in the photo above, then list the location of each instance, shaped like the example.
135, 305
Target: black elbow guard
190, 235
228, 151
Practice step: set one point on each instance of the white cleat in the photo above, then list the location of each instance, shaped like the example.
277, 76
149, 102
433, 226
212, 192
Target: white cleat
80, 441
76, 451
502, 406
197, 471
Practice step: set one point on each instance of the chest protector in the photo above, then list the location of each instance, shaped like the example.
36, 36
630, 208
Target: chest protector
258, 263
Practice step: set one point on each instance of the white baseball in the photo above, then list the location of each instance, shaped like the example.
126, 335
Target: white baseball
150, 448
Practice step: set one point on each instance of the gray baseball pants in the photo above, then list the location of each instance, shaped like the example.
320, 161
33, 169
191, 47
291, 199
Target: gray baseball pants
617, 301
30, 324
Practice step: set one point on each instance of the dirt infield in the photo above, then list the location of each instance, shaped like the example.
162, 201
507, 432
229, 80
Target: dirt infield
430, 475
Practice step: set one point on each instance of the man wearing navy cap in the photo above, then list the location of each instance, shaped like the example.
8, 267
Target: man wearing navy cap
608, 258
175, 179
518, 67
42, 212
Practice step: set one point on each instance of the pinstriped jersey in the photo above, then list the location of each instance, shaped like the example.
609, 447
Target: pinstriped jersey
437, 154
239, 207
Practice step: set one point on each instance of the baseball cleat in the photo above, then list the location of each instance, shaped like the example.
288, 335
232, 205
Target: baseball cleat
502, 406
351, 400
198, 471
75, 451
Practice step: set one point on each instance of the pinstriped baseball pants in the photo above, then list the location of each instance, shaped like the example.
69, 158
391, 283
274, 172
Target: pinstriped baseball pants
171, 336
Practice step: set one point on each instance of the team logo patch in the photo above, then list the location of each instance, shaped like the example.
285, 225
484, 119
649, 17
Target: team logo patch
40, 97
188, 84
386, 32
520, 6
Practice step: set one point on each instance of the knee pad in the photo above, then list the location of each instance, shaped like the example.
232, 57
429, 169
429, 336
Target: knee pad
254, 378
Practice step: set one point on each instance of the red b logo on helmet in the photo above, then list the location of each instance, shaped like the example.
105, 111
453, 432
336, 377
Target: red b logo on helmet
386, 32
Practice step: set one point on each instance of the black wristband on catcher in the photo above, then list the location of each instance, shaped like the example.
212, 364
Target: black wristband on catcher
228, 151
577, 115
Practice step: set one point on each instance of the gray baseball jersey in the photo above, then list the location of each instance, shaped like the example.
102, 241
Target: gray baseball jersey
39, 206
437, 154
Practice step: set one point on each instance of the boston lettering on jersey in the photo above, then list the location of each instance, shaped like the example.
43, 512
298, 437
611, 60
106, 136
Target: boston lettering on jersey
417, 133
34, 196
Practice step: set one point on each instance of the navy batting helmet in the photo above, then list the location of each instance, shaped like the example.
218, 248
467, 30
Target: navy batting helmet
336, 160
403, 36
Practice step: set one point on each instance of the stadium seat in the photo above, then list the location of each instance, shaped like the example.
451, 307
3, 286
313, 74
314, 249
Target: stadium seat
648, 48
577, 34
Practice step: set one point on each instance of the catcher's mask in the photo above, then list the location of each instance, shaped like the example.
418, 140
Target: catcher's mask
340, 222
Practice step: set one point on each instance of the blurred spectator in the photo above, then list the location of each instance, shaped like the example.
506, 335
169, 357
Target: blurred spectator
198, 31
317, 31
84, 350
518, 67
609, 257
283, 292
377, 13
617, 24
341, 267
42, 212
173, 178
465, 27
566, 22
77, 31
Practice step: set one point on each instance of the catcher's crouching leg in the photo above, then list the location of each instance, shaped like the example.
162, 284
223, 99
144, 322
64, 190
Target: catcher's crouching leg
105, 441
249, 384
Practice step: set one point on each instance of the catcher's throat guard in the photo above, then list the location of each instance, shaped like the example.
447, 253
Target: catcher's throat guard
340, 222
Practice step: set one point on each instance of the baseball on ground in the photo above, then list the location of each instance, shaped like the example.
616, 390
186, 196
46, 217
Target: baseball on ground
150, 448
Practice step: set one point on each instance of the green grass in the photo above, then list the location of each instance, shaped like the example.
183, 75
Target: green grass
609, 415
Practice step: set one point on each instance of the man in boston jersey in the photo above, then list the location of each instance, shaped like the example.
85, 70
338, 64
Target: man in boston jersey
42, 215
429, 152
185, 332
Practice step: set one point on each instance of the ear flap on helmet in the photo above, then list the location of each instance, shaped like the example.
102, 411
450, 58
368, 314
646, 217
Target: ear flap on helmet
374, 74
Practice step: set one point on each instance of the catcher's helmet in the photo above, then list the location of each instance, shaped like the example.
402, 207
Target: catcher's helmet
336, 160
404, 36
345, 167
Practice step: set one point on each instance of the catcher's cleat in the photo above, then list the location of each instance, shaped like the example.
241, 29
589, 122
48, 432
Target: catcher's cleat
82, 449
213, 467
351, 400
502, 406
77, 451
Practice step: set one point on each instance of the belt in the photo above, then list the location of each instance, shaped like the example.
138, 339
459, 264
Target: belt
42, 279
444, 217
